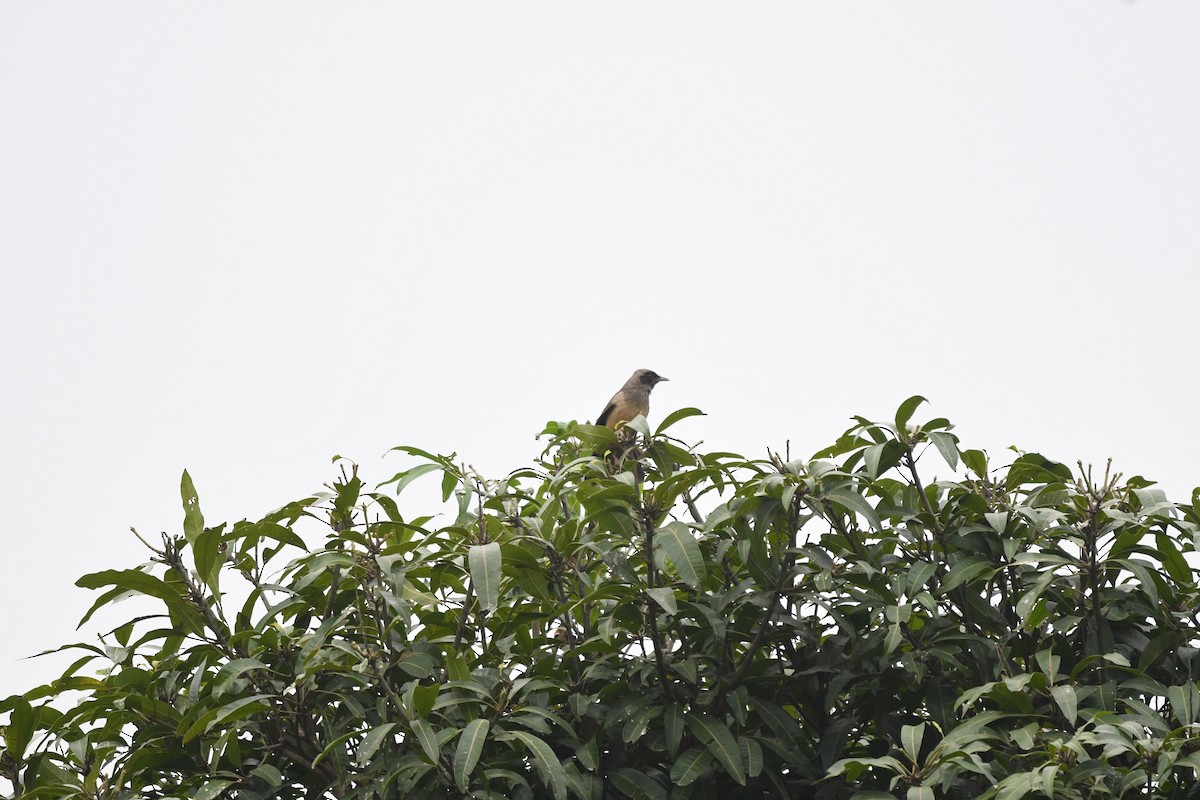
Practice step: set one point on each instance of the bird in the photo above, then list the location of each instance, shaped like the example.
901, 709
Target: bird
630, 400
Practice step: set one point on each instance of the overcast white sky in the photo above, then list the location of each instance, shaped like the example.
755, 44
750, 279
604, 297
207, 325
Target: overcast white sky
242, 238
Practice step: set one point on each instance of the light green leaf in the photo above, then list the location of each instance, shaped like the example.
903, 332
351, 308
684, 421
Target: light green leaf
681, 549
485, 562
470, 745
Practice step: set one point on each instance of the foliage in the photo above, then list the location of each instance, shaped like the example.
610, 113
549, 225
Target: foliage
655, 622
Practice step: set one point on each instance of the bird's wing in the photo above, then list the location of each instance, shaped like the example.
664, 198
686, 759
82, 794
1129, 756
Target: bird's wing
608, 409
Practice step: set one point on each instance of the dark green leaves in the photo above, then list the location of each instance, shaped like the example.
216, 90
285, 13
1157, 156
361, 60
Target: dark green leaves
658, 622
905, 411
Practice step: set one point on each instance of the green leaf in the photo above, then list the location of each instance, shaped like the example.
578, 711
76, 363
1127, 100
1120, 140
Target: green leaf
132, 580
1067, 701
424, 698
676, 416
372, 741
640, 425
485, 562
976, 461
947, 445
1176, 565
470, 745
752, 755
967, 570
690, 766
213, 789
665, 597
681, 549
720, 741
19, 731
911, 737
918, 575
856, 503
635, 784
547, 763
193, 520
905, 412
231, 671
426, 738
207, 552
673, 728
403, 479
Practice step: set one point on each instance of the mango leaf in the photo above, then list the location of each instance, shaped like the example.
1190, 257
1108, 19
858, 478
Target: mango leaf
681, 549
690, 766
665, 597
905, 411
676, 416
854, 502
1067, 701
213, 789
371, 743
947, 445
635, 784
485, 562
404, 478
426, 738
720, 741
470, 745
132, 580
547, 763
193, 520
207, 552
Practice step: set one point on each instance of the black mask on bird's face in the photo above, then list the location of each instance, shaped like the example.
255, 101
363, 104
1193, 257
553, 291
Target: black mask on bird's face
649, 379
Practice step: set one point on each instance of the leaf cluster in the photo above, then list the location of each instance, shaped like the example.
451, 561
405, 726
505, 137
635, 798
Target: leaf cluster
646, 623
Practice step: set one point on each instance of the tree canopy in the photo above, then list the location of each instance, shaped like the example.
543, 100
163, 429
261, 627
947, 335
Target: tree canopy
651, 622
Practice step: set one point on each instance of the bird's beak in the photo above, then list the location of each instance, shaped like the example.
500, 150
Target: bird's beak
661, 379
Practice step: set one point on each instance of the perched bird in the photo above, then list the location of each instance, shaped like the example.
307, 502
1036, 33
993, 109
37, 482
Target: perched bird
632, 399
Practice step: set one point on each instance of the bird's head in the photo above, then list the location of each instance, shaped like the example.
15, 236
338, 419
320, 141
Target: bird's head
648, 378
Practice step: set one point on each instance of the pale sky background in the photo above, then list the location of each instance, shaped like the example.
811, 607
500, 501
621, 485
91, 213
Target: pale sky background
240, 238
